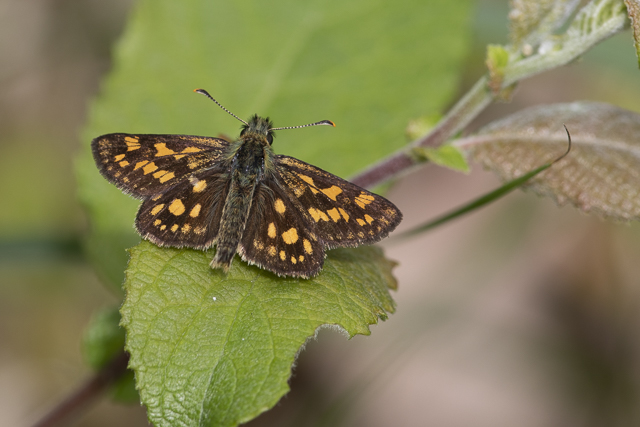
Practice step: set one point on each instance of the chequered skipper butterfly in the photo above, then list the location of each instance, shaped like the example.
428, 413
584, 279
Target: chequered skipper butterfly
275, 211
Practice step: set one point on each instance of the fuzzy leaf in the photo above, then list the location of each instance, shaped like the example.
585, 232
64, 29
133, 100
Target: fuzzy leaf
600, 174
532, 21
211, 349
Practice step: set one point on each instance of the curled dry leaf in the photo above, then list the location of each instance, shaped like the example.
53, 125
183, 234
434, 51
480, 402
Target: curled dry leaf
601, 175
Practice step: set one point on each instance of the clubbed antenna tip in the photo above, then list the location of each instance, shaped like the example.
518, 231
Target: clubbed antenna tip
205, 93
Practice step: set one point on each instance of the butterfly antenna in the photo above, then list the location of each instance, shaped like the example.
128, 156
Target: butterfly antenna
323, 122
205, 93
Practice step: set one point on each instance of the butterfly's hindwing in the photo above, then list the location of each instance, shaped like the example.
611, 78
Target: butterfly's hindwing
187, 215
278, 237
143, 165
342, 213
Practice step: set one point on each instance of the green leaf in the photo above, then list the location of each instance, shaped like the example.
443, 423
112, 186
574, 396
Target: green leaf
366, 65
445, 155
211, 349
103, 338
497, 60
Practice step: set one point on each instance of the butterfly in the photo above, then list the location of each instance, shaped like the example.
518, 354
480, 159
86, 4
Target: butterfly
275, 211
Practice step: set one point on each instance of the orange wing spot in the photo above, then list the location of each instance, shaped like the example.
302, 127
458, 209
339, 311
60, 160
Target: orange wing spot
185, 228
119, 157
140, 164
307, 247
283, 255
279, 205
174, 228
199, 186
301, 258
191, 150
157, 222
294, 261
258, 244
132, 143
156, 209
360, 222
367, 197
199, 230
290, 236
157, 197
159, 173
176, 207
318, 215
163, 227
360, 234
271, 230
123, 163
187, 151
333, 213
368, 219
306, 179
271, 250
162, 150
166, 177
149, 167
332, 192
364, 199
344, 214
195, 211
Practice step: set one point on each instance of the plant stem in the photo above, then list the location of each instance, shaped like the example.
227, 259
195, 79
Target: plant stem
465, 110
87, 393
573, 44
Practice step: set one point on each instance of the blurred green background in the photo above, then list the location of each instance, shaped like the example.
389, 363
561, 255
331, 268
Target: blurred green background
522, 314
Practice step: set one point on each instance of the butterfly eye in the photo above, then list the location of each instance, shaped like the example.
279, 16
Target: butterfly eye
270, 138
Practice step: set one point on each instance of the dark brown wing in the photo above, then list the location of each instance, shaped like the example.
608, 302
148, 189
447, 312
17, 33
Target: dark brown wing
277, 237
188, 214
344, 214
145, 165
301, 210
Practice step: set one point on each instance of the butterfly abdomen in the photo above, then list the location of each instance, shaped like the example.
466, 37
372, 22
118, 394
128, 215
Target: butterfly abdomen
247, 169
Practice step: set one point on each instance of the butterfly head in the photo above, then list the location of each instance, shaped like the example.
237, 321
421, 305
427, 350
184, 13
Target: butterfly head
260, 126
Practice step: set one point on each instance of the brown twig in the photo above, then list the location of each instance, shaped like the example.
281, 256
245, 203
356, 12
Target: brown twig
87, 393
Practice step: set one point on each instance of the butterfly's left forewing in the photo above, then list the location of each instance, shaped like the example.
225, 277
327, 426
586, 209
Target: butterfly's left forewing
143, 165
